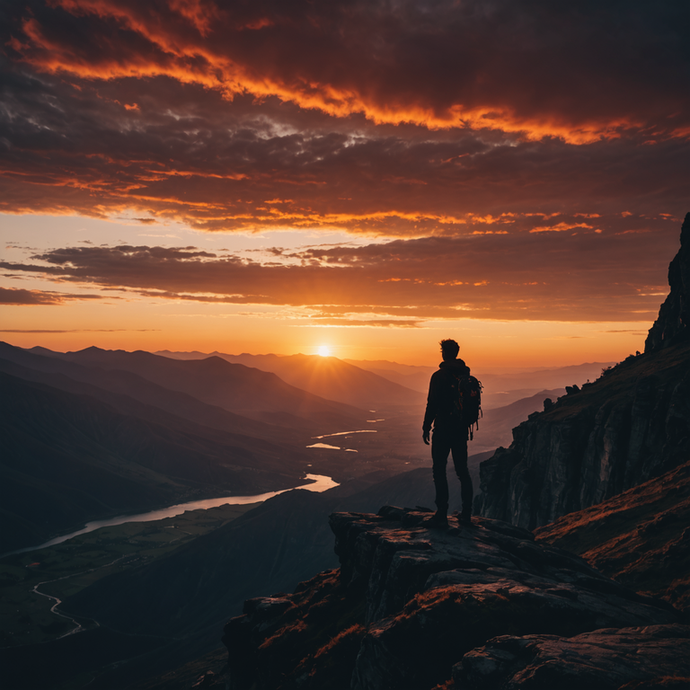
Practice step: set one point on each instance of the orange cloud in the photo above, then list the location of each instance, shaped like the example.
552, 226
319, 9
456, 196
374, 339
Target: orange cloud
579, 277
457, 66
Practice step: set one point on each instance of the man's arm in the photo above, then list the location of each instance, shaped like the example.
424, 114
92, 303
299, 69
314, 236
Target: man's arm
430, 412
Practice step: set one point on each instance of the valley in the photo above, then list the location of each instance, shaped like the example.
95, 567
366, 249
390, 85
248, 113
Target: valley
65, 569
133, 432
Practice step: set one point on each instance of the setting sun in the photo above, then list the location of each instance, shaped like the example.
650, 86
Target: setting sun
324, 351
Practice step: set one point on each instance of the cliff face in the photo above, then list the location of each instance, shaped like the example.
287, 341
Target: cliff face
673, 324
415, 609
630, 425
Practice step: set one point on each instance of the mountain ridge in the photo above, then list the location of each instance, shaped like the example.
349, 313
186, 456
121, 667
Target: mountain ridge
328, 377
127, 391
255, 394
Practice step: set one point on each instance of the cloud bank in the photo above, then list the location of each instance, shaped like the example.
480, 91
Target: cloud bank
515, 158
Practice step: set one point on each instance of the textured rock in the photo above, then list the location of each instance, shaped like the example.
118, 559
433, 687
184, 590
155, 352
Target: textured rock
630, 425
606, 659
408, 602
640, 537
673, 324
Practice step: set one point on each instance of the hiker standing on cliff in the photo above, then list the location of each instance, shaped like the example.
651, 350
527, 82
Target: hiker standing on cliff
444, 409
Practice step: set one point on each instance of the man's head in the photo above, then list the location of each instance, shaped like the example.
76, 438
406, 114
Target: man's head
449, 350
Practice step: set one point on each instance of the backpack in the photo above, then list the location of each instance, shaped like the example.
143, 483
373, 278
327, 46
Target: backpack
468, 401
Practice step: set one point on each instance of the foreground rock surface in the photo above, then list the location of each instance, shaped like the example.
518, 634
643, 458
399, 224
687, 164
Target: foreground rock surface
409, 604
606, 659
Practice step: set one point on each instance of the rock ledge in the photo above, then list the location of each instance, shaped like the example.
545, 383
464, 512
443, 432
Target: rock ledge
474, 608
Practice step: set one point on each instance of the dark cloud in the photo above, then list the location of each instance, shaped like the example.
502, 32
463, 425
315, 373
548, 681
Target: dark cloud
581, 69
532, 156
19, 296
228, 166
547, 275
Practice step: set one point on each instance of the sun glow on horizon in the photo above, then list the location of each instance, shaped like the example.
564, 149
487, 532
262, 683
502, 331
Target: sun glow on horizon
324, 351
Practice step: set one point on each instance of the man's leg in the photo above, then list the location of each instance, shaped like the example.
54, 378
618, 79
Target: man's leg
440, 447
459, 449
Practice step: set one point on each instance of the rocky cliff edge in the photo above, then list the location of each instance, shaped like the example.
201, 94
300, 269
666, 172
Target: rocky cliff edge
474, 608
673, 324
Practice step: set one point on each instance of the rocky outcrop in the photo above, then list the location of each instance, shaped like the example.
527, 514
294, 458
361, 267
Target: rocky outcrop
673, 324
408, 604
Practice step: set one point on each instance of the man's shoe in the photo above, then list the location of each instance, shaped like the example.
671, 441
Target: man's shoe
437, 520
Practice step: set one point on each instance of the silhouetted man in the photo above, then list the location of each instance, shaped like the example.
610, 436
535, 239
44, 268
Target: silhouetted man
450, 433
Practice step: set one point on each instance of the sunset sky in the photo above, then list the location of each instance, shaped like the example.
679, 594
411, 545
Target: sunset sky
279, 176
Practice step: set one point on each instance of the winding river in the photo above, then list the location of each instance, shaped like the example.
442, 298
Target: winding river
318, 483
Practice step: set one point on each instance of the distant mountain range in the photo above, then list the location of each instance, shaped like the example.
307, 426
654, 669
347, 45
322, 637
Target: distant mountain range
253, 393
328, 377
363, 382
496, 427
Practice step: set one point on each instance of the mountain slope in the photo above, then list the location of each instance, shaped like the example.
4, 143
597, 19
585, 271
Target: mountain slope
640, 537
628, 426
69, 458
331, 378
409, 376
249, 392
131, 394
